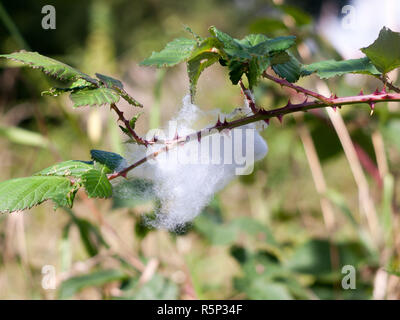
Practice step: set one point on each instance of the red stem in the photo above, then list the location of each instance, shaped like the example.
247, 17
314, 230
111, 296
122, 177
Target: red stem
307, 92
135, 136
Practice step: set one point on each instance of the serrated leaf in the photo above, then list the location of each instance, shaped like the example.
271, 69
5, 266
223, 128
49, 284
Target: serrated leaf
203, 55
290, 70
96, 184
384, 53
109, 82
236, 70
98, 278
132, 101
94, 96
332, 68
110, 159
196, 36
75, 86
50, 66
231, 46
24, 193
252, 40
118, 87
73, 168
253, 73
175, 51
273, 45
197, 65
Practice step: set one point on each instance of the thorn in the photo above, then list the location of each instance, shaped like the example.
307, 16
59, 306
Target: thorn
199, 136
372, 106
124, 174
280, 118
334, 108
305, 101
218, 122
261, 111
361, 92
384, 90
289, 104
225, 122
155, 138
176, 135
267, 121
377, 92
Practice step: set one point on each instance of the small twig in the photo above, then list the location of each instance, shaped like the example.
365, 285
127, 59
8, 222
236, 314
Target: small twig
389, 84
121, 117
307, 92
247, 94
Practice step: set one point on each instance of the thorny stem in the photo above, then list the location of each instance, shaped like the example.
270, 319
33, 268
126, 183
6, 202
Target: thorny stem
262, 114
250, 100
284, 82
135, 136
247, 94
389, 84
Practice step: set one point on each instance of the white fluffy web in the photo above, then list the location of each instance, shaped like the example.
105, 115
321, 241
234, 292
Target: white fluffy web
186, 177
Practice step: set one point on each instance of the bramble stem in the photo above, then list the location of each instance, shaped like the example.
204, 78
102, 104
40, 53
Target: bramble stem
135, 136
262, 114
284, 82
389, 84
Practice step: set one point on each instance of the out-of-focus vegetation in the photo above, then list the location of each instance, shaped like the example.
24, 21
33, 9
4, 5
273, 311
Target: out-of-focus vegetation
283, 232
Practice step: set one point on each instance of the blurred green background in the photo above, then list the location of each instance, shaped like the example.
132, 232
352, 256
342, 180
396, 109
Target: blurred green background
284, 232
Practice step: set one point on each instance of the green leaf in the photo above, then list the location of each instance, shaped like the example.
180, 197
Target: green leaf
110, 159
290, 70
332, 68
132, 122
118, 87
50, 66
73, 168
197, 65
231, 46
384, 53
109, 82
273, 45
94, 96
96, 184
196, 36
204, 55
236, 69
252, 40
132, 101
75, 86
176, 51
75, 284
253, 72
24, 193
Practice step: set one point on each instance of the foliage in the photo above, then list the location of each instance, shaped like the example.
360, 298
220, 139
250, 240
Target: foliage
271, 268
